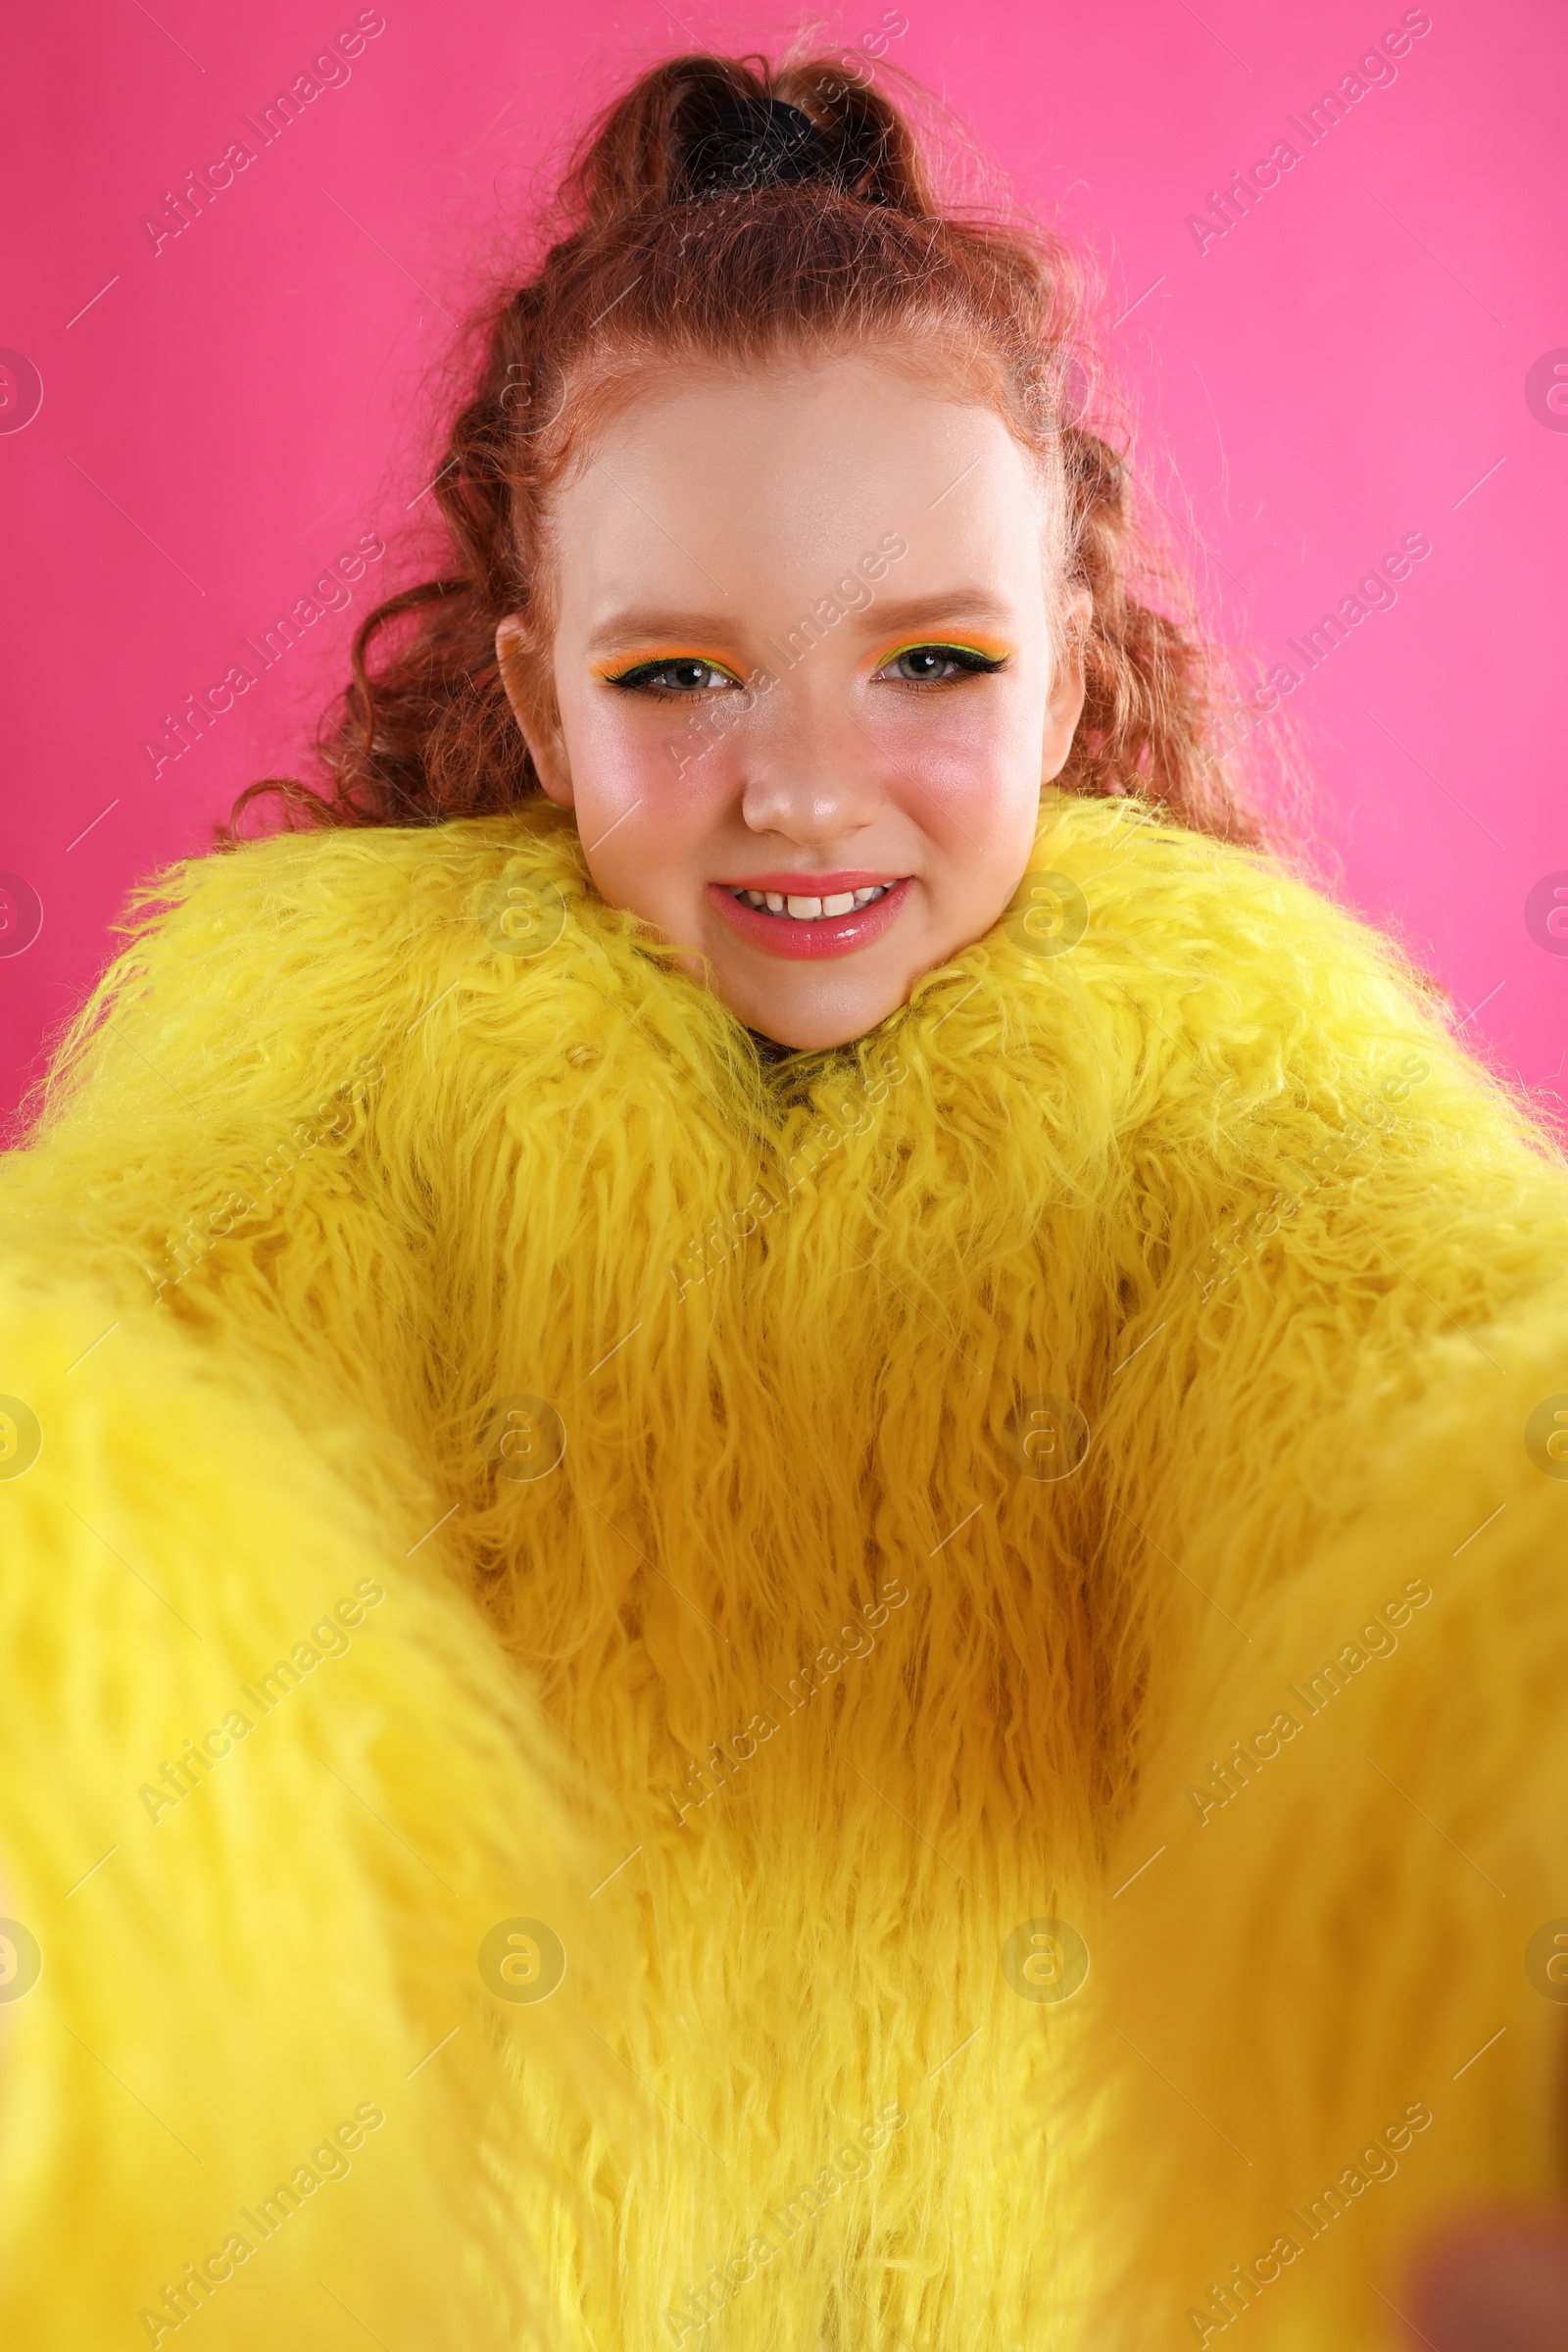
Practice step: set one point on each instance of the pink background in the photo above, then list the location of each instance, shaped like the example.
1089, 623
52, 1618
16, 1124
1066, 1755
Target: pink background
1347, 364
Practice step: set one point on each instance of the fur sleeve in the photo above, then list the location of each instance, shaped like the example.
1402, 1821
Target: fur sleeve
1327, 2001
266, 1792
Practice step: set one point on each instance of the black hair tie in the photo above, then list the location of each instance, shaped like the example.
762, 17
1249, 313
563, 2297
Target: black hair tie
755, 143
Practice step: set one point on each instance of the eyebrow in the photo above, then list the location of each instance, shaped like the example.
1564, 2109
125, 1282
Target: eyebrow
657, 621
950, 604
654, 622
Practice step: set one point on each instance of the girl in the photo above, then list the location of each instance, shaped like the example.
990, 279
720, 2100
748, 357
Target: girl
783, 1464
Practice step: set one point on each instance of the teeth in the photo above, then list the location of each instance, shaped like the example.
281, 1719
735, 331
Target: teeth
809, 909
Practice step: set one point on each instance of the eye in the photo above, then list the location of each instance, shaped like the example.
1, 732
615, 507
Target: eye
935, 665
681, 674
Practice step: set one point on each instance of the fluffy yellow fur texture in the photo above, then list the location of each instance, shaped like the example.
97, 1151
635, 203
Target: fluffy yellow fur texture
834, 1520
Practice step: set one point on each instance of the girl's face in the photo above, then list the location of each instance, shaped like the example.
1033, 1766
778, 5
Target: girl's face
804, 690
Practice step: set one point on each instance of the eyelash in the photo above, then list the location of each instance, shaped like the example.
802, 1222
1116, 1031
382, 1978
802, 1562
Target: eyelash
971, 663
640, 678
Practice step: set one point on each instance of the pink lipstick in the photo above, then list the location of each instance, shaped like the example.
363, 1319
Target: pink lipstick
803, 916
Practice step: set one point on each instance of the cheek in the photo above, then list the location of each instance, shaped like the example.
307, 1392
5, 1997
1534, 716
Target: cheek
968, 770
650, 782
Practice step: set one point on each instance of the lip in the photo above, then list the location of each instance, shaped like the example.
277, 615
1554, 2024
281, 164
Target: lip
812, 886
828, 935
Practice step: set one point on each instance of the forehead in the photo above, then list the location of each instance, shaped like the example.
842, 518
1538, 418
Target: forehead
708, 470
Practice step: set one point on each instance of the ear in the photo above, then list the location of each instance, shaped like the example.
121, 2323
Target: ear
540, 726
1065, 701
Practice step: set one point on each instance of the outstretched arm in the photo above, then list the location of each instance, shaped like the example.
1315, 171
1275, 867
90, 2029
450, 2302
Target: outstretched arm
266, 1791
1325, 2001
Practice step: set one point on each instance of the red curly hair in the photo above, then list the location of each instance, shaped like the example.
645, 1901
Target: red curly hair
652, 267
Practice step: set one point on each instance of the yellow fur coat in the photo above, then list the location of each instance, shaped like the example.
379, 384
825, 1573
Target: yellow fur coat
908, 1700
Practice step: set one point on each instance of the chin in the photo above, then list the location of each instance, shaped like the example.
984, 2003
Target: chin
808, 1037
805, 1028
813, 1010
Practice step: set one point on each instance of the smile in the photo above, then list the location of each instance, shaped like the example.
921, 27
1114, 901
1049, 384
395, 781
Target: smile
801, 926
808, 910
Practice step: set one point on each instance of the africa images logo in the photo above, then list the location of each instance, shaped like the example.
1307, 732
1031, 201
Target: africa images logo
184, 207
1374, 69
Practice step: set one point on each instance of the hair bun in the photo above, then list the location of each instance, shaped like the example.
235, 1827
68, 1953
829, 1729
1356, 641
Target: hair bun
751, 142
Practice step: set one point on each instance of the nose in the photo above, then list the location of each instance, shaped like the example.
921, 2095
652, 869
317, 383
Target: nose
811, 776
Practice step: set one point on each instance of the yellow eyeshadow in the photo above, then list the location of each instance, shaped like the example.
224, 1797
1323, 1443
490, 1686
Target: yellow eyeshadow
992, 648
659, 653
